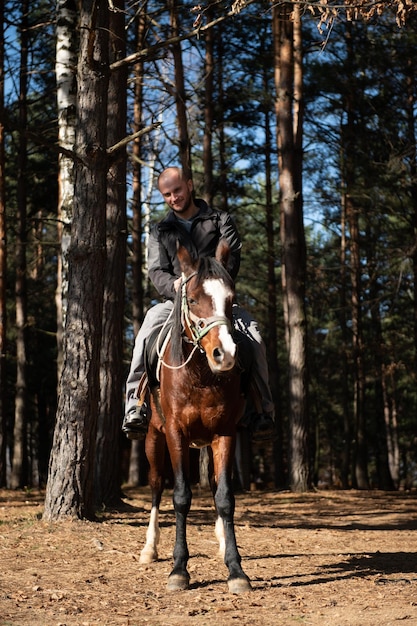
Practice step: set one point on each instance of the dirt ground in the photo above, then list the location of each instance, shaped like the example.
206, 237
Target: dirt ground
324, 558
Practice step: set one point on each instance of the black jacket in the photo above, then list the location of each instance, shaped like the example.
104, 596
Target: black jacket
208, 227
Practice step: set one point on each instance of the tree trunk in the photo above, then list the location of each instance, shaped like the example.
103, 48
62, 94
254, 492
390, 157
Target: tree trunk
221, 127
66, 62
360, 471
3, 266
272, 335
381, 442
137, 248
137, 448
411, 138
293, 244
391, 423
18, 476
108, 479
347, 430
180, 94
70, 487
208, 112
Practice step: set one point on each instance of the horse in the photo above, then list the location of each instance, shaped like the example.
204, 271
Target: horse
197, 403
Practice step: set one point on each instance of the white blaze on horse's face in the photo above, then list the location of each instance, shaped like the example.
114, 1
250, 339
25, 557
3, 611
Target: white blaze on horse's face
224, 355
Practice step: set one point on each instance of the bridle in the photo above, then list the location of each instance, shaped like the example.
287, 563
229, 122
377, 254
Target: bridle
198, 326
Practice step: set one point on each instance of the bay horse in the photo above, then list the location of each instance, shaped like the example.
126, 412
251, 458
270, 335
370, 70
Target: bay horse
198, 403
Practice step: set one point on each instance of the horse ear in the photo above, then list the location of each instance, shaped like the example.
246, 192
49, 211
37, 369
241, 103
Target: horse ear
184, 257
223, 252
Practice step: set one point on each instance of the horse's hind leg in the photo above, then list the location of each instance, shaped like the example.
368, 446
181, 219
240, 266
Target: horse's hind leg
238, 581
155, 452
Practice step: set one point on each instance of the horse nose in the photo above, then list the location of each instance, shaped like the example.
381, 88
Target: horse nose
223, 359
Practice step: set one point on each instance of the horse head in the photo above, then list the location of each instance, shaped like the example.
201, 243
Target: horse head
207, 293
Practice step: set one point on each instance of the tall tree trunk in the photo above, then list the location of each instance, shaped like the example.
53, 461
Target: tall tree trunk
360, 471
220, 127
360, 452
380, 441
19, 466
208, 112
272, 335
391, 422
70, 487
347, 430
137, 248
411, 138
65, 69
180, 94
108, 479
3, 266
286, 39
137, 472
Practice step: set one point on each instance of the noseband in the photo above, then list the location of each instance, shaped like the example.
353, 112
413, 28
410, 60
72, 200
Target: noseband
198, 326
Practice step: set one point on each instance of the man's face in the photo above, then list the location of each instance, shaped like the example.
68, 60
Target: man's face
177, 193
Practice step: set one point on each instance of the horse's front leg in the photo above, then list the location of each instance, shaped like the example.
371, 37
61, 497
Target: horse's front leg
223, 449
155, 453
179, 578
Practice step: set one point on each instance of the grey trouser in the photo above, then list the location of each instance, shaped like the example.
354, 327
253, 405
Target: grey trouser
158, 314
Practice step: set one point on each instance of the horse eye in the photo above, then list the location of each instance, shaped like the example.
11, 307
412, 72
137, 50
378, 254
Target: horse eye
191, 301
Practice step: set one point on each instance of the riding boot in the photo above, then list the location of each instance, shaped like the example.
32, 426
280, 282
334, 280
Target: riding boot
262, 427
136, 422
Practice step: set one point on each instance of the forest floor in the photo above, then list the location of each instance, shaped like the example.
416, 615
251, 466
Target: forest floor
319, 559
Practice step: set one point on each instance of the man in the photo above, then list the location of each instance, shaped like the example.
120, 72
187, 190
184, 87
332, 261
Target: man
199, 228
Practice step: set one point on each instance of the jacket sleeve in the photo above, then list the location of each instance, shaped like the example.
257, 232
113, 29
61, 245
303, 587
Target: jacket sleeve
160, 268
228, 231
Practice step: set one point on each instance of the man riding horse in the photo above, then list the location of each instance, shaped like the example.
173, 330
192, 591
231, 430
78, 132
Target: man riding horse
199, 228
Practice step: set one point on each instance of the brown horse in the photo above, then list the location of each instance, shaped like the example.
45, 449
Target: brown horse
198, 403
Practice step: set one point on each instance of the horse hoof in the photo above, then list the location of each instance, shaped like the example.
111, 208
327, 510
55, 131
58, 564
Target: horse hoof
178, 582
239, 585
148, 555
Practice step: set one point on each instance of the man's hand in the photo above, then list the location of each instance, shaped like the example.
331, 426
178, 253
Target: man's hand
177, 283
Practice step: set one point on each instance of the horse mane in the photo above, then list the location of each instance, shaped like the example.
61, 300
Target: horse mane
207, 267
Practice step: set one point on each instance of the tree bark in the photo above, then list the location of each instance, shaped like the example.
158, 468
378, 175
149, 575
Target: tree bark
359, 457
180, 94
70, 487
65, 69
137, 448
18, 476
391, 423
3, 265
286, 38
272, 334
108, 470
381, 443
208, 113
347, 429
137, 248
220, 130
411, 139
360, 472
